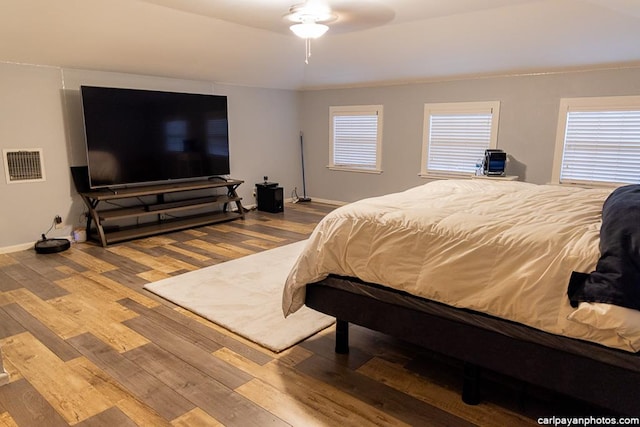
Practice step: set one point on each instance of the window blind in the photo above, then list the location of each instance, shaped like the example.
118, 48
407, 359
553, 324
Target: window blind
355, 141
457, 141
601, 146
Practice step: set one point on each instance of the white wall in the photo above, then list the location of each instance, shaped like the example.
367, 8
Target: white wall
31, 116
264, 128
40, 108
527, 128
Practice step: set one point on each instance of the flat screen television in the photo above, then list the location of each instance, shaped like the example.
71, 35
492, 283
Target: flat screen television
138, 136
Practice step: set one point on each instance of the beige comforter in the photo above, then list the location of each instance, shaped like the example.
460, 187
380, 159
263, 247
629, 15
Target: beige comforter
498, 247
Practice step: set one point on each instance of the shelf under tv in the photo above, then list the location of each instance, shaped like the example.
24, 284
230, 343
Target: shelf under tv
170, 215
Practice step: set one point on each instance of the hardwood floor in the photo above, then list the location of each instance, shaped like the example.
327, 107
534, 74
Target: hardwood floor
85, 345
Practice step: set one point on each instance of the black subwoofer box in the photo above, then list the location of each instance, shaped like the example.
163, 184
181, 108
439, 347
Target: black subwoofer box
270, 197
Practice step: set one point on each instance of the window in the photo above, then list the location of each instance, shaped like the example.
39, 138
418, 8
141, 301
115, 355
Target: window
217, 137
356, 138
456, 135
175, 132
598, 141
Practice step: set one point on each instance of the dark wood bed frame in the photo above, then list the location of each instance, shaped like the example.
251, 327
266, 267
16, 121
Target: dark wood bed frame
601, 376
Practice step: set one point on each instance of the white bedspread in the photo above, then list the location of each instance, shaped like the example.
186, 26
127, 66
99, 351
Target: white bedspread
498, 247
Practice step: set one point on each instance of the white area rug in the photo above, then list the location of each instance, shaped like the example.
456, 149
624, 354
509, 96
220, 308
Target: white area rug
245, 296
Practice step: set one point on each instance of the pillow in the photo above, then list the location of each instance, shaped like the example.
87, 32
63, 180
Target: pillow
616, 279
624, 322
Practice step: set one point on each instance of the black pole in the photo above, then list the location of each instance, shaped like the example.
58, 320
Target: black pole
304, 197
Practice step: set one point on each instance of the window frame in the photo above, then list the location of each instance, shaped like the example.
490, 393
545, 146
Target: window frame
586, 104
352, 110
470, 107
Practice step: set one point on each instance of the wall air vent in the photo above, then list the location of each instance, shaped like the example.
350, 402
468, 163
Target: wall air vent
23, 165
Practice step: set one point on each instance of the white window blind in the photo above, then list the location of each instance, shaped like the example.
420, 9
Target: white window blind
356, 138
456, 136
602, 146
598, 141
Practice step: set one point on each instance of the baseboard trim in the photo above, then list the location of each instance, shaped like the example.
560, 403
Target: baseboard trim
4, 378
16, 248
25, 246
329, 202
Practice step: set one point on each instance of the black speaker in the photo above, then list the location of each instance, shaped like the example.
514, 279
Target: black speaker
270, 198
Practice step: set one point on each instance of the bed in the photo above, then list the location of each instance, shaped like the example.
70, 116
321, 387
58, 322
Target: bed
497, 274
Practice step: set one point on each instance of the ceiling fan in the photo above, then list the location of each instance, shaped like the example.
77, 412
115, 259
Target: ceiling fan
350, 15
309, 19
342, 15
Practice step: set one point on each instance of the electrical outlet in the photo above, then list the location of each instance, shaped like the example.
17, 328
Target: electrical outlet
57, 221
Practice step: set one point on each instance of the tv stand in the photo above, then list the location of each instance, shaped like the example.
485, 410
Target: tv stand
193, 210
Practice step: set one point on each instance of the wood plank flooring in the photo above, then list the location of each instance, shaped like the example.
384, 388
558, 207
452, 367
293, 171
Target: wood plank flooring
85, 345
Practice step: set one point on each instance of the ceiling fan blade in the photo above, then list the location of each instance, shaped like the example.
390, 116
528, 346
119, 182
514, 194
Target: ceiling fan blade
354, 15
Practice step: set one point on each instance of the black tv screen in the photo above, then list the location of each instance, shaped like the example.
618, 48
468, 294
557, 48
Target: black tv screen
139, 136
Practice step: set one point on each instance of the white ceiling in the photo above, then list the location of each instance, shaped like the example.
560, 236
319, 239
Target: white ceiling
248, 42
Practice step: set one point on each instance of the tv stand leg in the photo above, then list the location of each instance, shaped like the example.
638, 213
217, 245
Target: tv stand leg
92, 215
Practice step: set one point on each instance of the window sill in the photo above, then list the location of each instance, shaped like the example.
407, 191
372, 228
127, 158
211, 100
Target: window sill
446, 175
497, 178
345, 169
589, 184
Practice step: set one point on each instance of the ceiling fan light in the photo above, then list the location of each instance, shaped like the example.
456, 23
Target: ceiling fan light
309, 30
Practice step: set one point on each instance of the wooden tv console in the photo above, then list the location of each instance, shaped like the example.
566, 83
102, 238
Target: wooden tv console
160, 215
